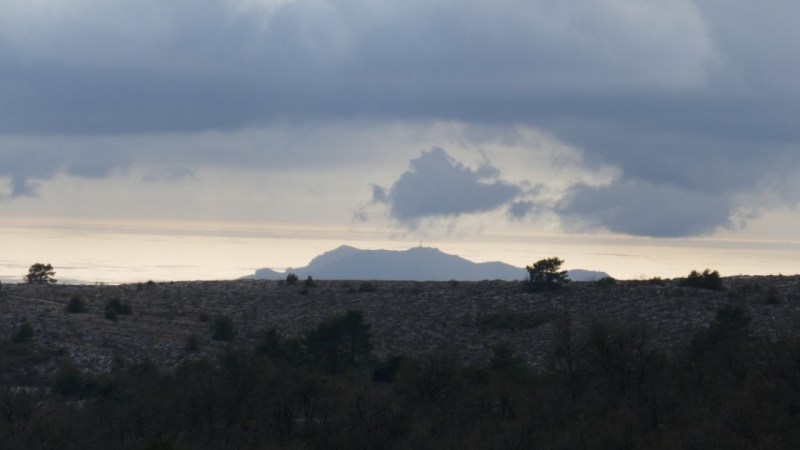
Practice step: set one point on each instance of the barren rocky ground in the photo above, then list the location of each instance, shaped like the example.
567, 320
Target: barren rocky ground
467, 318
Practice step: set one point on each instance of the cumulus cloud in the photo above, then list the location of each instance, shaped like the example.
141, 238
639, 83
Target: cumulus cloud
435, 185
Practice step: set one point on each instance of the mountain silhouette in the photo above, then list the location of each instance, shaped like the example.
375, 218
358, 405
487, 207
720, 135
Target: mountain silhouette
414, 264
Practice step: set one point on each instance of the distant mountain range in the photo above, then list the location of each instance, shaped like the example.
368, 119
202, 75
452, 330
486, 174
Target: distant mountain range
414, 264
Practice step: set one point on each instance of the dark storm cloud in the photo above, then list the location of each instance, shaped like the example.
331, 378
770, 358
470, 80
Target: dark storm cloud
188, 65
695, 102
22, 170
639, 207
436, 185
27, 166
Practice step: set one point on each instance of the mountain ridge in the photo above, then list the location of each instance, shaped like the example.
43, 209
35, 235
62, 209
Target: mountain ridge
414, 264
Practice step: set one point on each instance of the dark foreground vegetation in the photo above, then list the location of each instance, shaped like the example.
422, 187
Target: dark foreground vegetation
609, 388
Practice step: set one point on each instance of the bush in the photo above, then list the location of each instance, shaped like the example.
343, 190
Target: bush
192, 344
274, 346
309, 282
386, 370
772, 296
292, 279
40, 274
504, 359
607, 281
23, 334
69, 380
115, 307
340, 342
706, 280
545, 274
76, 305
223, 329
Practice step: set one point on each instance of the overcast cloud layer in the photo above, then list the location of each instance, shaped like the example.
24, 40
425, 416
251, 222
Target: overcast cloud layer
695, 103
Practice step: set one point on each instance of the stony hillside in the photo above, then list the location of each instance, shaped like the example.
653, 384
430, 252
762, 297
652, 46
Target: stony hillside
406, 317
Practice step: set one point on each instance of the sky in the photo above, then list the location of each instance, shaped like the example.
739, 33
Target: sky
653, 125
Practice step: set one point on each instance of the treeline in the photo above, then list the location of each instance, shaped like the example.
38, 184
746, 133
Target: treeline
605, 388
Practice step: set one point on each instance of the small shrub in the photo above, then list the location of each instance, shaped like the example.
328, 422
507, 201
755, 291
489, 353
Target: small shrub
69, 381
706, 280
607, 281
367, 287
656, 281
223, 329
292, 279
772, 296
23, 334
303, 291
274, 346
76, 305
192, 343
386, 370
309, 282
115, 308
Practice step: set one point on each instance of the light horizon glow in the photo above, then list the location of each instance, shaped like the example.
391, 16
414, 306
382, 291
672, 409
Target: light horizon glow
120, 252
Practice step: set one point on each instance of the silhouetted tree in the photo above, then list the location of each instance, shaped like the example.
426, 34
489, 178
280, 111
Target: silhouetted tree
546, 274
706, 280
275, 346
40, 274
340, 342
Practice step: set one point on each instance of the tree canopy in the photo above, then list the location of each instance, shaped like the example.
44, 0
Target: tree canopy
40, 274
546, 274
